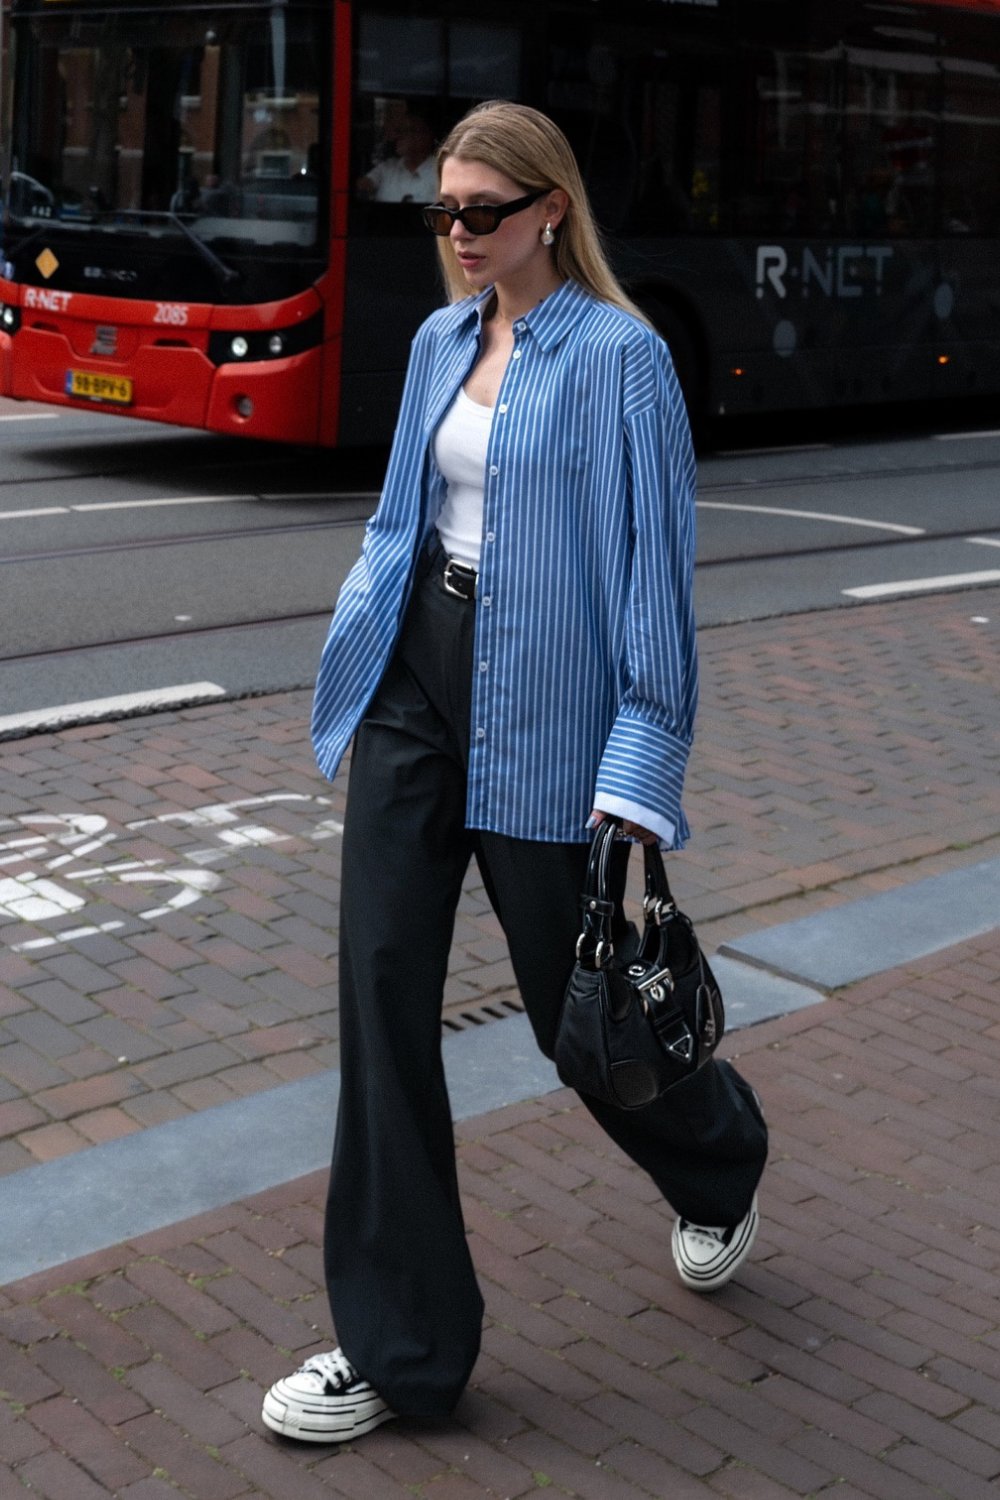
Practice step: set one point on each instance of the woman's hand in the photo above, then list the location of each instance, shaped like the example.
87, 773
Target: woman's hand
630, 830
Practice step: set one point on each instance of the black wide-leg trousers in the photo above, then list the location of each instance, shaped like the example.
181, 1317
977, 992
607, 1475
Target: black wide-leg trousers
403, 1290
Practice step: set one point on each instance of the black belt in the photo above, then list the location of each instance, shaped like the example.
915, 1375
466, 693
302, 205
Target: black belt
459, 579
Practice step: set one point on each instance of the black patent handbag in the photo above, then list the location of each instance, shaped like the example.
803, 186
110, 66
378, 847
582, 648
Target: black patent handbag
637, 1022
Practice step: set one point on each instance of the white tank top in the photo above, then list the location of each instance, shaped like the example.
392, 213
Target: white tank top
460, 452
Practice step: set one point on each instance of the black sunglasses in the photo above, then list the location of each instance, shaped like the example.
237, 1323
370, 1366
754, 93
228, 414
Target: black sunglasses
478, 218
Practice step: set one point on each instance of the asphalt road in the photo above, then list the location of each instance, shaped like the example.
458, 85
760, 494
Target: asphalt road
137, 558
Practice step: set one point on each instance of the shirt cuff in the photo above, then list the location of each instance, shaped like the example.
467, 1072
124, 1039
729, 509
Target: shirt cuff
621, 807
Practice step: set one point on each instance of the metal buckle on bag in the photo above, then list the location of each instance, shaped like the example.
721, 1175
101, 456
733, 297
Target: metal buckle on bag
602, 950
655, 987
460, 580
656, 910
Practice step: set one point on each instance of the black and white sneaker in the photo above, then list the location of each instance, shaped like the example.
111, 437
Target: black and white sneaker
326, 1401
706, 1257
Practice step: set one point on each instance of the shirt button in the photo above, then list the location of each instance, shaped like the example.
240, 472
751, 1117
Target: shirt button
487, 600
518, 327
494, 470
516, 354
480, 734
483, 665
491, 536
502, 408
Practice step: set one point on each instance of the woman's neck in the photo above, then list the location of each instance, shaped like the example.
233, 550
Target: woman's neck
513, 302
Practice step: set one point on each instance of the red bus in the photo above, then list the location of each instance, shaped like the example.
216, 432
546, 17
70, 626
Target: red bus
211, 209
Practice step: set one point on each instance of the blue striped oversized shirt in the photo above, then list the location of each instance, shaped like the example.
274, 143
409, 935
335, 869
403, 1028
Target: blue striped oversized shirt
584, 675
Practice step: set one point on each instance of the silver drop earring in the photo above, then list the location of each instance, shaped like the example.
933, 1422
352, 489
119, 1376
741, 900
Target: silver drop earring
548, 236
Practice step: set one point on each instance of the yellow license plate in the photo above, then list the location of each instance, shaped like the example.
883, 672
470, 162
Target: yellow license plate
89, 386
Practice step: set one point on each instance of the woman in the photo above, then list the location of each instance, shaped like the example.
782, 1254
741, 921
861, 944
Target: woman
517, 645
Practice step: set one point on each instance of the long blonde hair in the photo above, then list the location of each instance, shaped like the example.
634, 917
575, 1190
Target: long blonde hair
531, 150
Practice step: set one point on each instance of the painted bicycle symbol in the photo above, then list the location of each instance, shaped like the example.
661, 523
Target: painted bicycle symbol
48, 873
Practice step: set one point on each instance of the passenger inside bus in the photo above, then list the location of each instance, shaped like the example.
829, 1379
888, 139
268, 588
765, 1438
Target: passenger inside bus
408, 176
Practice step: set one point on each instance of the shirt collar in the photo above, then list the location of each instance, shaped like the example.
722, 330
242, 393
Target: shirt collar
548, 322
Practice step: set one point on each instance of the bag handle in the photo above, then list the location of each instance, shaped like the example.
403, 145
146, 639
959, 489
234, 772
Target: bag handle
658, 905
594, 947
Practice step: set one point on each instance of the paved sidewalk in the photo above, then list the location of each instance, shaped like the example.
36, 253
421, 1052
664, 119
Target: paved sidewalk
857, 1354
167, 892
169, 884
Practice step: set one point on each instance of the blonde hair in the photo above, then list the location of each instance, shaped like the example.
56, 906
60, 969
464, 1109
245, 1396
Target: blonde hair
531, 150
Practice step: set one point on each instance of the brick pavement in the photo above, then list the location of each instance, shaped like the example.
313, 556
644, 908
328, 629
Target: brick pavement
186, 866
857, 1354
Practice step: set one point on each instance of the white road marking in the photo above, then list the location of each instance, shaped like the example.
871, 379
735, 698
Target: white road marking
784, 448
960, 437
66, 510
812, 515
923, 585
38, 718
169, 500
41, 510
28, 892
984, 541
320, 495
30, 416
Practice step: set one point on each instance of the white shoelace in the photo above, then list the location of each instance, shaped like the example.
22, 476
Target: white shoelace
331, 1369
713, 1234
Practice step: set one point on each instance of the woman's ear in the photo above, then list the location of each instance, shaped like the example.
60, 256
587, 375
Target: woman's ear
556, 204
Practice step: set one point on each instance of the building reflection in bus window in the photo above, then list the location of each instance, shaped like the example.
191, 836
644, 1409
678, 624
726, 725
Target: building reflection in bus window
207, 116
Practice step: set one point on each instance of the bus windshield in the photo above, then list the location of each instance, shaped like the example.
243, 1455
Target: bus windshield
200, 129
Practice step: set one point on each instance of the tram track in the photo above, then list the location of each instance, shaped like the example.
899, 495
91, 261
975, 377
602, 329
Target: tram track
181, 539
162, 637
790, 542
866, 544
342, 523
194, 632
816, 477
819, 478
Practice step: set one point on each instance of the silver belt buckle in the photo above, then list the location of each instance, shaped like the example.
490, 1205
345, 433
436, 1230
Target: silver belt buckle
450, 587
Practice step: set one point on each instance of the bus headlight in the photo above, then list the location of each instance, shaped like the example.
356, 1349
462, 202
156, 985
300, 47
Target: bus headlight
253, 345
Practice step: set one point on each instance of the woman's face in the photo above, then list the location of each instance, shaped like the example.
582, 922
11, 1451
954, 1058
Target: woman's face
514, 253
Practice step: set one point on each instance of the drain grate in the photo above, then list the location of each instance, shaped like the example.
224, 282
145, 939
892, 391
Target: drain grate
462, 1017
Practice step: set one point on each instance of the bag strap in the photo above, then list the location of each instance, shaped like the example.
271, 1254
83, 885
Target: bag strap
658, 908
594, 946
658, 904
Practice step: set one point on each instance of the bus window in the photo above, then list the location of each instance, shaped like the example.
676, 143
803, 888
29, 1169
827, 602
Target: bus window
891, 126
484, 60
970, 140
191, 126
789, 183
677, 190
404, 167
416, 75
641, 107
